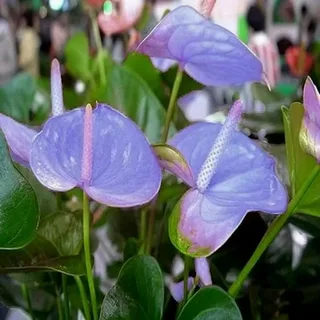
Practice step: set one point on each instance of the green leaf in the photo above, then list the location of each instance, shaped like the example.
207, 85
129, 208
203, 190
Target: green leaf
130, 94
138, 293
142, 65
16, 97
78, 57
19, 213
300, 164
131, 249
210, 303
57, 247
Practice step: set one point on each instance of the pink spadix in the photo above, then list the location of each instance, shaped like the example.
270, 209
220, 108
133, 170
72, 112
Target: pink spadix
56, 89
86, 171
209, 167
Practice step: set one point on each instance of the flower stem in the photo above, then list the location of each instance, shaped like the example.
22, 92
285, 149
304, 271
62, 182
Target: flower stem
83, 296
272, 232
172, 103
26, 295
87, 254
142, 231
60, 313
97, 39
152, 218
65, 296
185, 279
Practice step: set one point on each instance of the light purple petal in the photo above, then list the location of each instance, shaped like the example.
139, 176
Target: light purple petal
206, 236
177, 289
125, 172
163, 64
311, 101
209, 53
203, 271
19, 139
245, 177
309, 137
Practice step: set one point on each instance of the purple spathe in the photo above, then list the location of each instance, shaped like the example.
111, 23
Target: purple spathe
209, 53
124, 172
244, 180
310, 129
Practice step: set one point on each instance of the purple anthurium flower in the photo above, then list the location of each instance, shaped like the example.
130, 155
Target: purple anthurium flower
310, 128
202, 272
101, 151
231, 176
209, 53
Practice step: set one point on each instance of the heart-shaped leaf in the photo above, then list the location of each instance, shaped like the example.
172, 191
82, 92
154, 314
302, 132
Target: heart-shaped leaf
57, 247
300, 164
138, 293
19, 213
210, 303
128, 92
16, 97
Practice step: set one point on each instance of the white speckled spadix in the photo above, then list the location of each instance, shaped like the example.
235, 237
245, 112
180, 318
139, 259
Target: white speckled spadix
209, 167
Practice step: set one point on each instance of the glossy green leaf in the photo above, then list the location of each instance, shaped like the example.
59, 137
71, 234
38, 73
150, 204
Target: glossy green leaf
210, 303
300, 164
16, 97
178, 240
19, 213
131, 95
138, 293
57, 247
78, 56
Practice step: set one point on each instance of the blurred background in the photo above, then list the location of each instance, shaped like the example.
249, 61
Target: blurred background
284, 34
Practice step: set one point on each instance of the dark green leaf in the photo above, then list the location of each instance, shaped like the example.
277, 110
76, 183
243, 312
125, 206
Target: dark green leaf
19, 213
16, 97
130, 94
78, 57
56, 247
131, 249
300, 164
138, 293
210, 303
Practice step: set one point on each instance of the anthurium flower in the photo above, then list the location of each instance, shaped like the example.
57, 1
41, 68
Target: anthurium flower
231, 176
202, 272
101, 151
299, 61
124, 15
209, 53
310, 128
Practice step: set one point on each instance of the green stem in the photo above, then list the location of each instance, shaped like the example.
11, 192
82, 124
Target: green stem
272, 232
152, 218
83, 296
143, 224
97, 39
87, 254
65, 296
185, 279
60, 312
26, 295
172, 104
